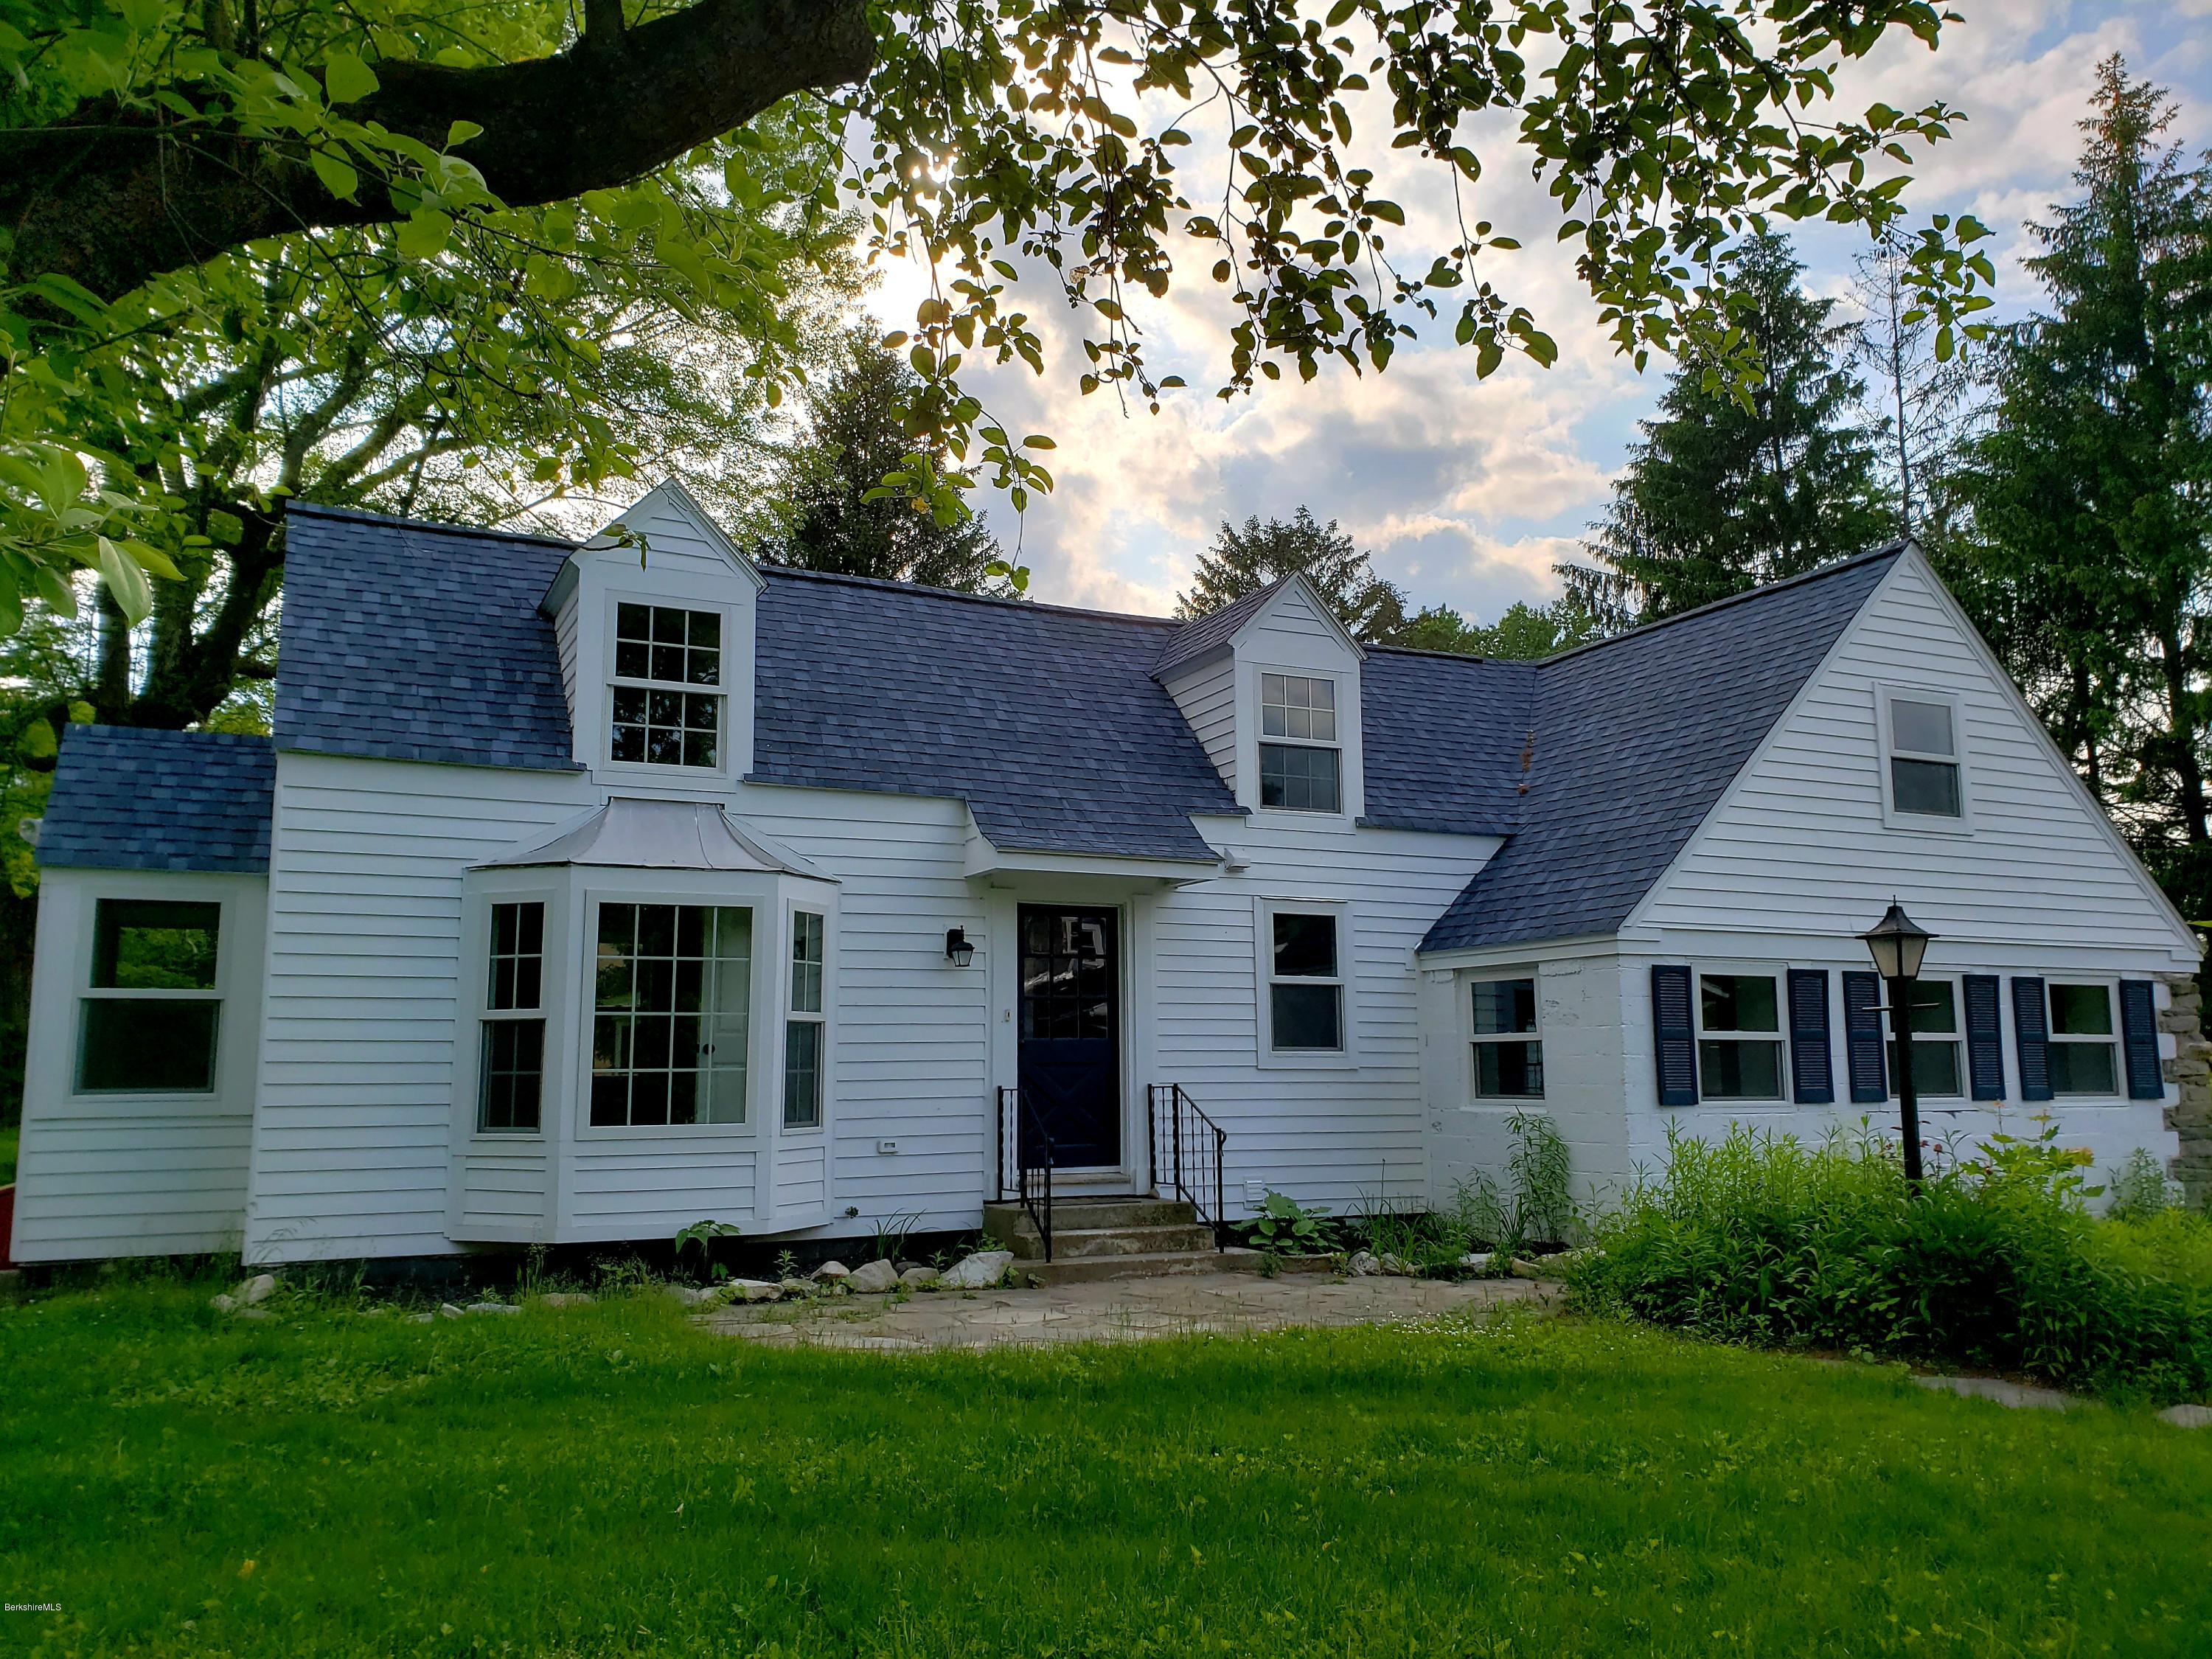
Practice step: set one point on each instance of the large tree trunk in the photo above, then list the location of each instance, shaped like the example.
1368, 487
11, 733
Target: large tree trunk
111, 197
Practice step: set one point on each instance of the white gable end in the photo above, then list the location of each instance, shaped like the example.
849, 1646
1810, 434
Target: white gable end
1801, 842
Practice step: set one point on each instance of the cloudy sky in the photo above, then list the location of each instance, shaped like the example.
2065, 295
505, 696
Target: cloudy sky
1467, 492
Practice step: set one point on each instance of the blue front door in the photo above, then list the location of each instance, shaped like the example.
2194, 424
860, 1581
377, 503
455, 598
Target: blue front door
1071, 1031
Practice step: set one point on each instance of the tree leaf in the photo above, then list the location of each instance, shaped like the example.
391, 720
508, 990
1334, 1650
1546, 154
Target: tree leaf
347, 79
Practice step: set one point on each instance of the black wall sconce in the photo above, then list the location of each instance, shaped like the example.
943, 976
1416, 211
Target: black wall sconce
959, 949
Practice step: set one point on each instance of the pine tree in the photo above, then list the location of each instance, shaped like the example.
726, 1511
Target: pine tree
854, 437
2091, 492
1719, 495
1243, 560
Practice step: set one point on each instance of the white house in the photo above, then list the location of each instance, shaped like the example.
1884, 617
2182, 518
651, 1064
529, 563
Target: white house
586, 892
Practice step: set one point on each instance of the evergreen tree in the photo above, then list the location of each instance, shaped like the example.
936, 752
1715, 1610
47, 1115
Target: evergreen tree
1721, 495
2090, 490
833, 511
1245, 560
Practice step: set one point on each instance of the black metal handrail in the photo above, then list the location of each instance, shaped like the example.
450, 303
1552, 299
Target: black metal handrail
1188, 1150
1025, 1160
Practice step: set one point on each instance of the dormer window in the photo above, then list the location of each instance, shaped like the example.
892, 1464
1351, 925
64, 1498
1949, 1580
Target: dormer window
660, 712
1301, 768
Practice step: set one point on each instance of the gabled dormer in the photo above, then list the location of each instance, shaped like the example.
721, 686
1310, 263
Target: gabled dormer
1270, 685
654, 617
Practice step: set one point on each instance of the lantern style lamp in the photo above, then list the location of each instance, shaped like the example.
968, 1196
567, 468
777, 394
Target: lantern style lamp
1898, 946
959, 949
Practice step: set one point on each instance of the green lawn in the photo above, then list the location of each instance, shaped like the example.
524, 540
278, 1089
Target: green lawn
608, 1480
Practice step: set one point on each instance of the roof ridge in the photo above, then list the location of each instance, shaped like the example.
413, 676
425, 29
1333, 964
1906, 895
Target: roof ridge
109, 727
319, 510
1028, 607
1888, 550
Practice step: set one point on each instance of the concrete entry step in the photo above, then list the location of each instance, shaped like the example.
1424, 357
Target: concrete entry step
1077, 1243
1007, 1222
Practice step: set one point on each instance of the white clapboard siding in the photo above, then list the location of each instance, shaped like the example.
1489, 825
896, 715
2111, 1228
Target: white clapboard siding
623, 1189
909, 1040
1336, 1135
105, 1176
352, 1141
802, 1187
504, 1191
1207, 694
1798, 844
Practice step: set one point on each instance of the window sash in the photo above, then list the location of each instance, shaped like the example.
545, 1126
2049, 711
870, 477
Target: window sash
511, 1075
1305, 999
671, 1014
1507, 1068
1925, 780
1301, 778
148, 1042
1299, 706
803, 1052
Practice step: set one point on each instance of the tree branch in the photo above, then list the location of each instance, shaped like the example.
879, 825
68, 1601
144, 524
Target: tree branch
112, 197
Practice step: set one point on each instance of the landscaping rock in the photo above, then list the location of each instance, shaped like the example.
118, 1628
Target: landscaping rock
2188, 1417
1475, 1261
253, 1313
1396, 1266
918, 1279
420, 1319
905, 1268
831, 1272
1363, 1265
872, 1278
1545, 1266
258, 1289
222, 1304
691, 1296
493, 1308
565, 1299
755, 1290
452, 1311
978, 1271
794, 1287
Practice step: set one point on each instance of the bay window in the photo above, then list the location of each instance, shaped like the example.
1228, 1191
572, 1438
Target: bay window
671, 1014
511, 1064
803, 1044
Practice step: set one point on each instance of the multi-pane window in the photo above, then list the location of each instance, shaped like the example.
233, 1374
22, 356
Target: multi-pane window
1305, 985
662, 656
1509, 1056
1924, 758
1739, 1037
1300, 766
1937, 1061
150, 1015
513, 1059
671, 1009
2084, 1059
802, 1026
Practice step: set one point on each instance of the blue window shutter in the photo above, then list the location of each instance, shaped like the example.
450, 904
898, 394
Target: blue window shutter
1811, 1069
2031, 1033
1862, 1048
1985, 1036
2139, 1040
1676, 1036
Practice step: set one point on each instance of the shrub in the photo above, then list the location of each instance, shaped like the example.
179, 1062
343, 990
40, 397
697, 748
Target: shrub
1998, 1264
1535, 1206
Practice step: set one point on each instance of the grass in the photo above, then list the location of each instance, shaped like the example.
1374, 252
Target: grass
608, 1480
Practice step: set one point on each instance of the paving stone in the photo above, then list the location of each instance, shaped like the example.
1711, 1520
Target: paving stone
1118, 1310
2018, 1396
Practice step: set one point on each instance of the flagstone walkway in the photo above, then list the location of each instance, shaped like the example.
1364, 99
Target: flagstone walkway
1113, 1311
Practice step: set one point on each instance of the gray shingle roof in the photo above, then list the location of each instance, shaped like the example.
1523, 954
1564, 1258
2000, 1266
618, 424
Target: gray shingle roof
1046, 721
1189, 640
126, 797
422, 642
1636, 739
1441, 739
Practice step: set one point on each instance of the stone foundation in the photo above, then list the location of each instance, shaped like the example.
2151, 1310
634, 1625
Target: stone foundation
2191, 1072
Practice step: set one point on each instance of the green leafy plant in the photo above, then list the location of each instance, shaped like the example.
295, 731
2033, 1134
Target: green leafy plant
1283, 1227
891, 1235
2139, 1189
787, 1265
1534, 1206
1997, 1264
1425, 1241
704, 1234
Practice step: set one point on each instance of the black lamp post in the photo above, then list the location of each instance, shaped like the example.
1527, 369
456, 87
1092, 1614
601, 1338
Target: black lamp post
1897, 945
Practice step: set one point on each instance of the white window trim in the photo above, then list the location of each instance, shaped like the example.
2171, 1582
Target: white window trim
1334, 745
1477, 1039
1344, 686
763, 1013
1780, 1037
1264, 911
2115, 1042
724, 693
228, 948
548, 967
1957, 1039
791, 911
1924, 822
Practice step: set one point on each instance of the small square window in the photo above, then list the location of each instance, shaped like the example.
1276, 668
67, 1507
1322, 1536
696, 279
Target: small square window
1509, 1060
1923, 741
